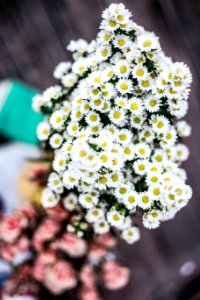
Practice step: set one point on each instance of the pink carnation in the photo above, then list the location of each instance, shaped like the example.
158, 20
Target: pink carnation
89, 294
114, 275
60, 277
87, 276
58, 213
106, 240
44, 260
96, 251
11, 227
45, 232
73, 245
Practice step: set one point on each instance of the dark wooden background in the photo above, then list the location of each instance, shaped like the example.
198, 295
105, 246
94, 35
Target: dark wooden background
33, 36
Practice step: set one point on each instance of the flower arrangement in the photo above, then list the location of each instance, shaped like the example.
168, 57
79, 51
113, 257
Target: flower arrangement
113, 135
115, 131
41, 256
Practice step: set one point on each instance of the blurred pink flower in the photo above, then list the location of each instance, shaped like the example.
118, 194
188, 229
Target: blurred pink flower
89, 294
96, 251
45, 232
114, 275
11, 227
60, 277
44, 260
58, 213
87, 276
73, 245
106, 240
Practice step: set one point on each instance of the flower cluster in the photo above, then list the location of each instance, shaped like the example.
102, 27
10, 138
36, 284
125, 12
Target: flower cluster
39, 254
113, 129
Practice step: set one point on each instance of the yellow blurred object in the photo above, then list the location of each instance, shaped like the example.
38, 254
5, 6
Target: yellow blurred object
30, 187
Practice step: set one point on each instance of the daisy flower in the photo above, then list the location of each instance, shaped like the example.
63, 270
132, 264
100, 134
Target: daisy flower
95, 79
135, 106
69, 80
92, 118
140, 166
137, 121
142, 150
70, 202
59, 163
155, 191
43, 131
115, 218
130, 199
49, 199
124, 136
122, 102
70, 179
56, 140
124, 86
148, 42
73, 128
129, 152
182, 152
117, 116
122, 69
104, 37
57, 119
94, 214
101, 226
88, 200
61, 69
151, 220
183, 128
131, 234
103, 52
140, 72
152, 103
160, 124
55, 183
121, 41
144, 200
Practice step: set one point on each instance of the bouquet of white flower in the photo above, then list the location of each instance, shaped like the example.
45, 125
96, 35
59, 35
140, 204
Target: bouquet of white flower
113, 130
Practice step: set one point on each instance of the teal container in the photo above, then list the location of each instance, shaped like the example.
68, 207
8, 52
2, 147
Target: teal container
18, 121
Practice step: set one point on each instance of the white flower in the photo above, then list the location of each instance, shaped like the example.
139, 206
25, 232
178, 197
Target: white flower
124, 136
144, 200
57, 119
61, 69
49, 199
101, 226
151, 220
182, 152
103, 52
94, 214
148, 42
160, 124
80, 66
121, 41
140, 166
69, 80
55, 183
122, 68
59, 162
152, 103
115, 218
183, 128
70, 202
80, 46
131, 235
55, 140
139, 72
96, 78
117, 116
88, 200
43, 131
155, 191
124, 86
135, 106
53, 92
142, 150
130, 199
37, 103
